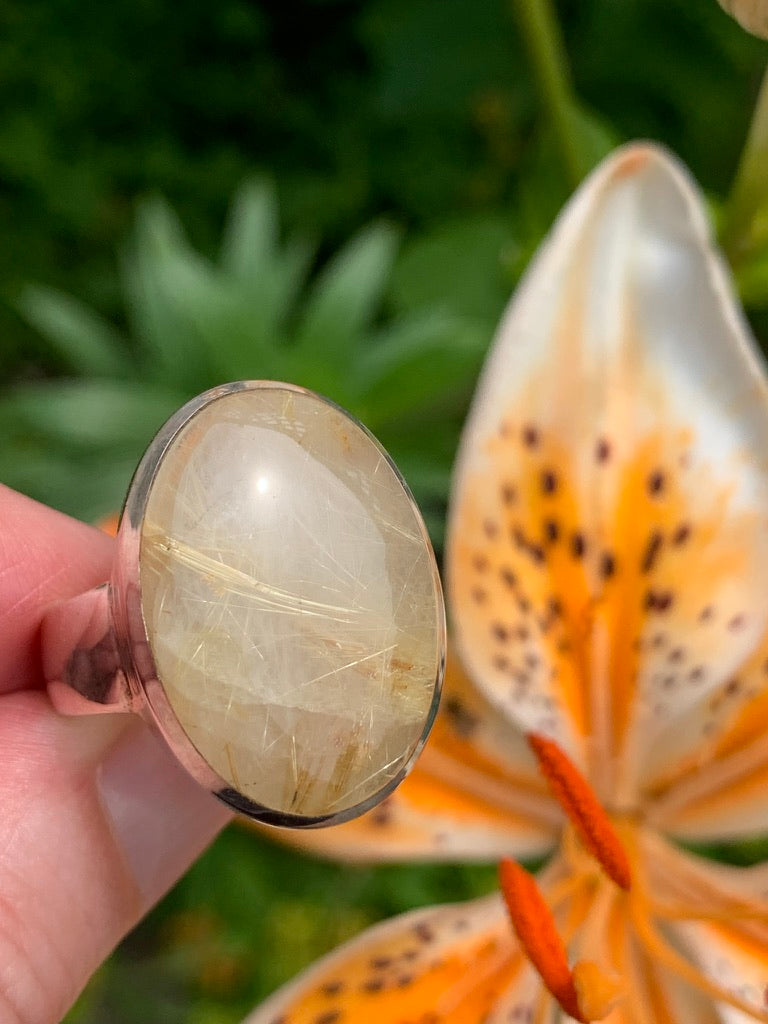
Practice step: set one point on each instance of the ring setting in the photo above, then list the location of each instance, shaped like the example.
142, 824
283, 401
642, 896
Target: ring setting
274, 608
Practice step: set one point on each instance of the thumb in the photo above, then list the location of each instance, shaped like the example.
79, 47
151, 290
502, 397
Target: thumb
99, 820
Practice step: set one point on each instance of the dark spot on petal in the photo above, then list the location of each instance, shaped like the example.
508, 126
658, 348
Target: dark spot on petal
524, 605
331, 1017
508, 577
373, 985
479, 596
681, 534
332, 988
658, 600
424, 932
706, 613
522, 633
656, 482
404, 980
530, 436
736, 623
602, 450
480, 563
380, 963
462, 720
490, 529
500, 632
732, 687
555, 607
382, 815
508, 494
578, 545
652, 551
668, 682
537, 553
658, 640
519, 538
676, 655
607, 565
548, 482
551, 531
696, 674
500, 663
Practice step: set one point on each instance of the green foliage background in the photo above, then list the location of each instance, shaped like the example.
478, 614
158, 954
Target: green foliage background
393, 165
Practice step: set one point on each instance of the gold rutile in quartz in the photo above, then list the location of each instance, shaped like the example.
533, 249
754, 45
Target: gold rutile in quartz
290, 600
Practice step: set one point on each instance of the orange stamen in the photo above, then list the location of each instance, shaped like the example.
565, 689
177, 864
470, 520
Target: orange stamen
575, 795
535, 928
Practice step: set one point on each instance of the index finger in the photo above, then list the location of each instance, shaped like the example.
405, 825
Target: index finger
44, 556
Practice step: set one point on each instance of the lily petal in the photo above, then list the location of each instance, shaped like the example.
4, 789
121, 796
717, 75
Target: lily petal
733, 958
718, 917
452, 963
475, 794
727, 717
715, 782
607, 543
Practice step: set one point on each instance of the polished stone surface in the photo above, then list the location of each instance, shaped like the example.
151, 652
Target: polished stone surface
290, 601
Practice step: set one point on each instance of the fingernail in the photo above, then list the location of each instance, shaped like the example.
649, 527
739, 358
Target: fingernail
160, 817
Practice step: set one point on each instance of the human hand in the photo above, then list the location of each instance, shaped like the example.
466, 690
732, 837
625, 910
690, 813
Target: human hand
98, 819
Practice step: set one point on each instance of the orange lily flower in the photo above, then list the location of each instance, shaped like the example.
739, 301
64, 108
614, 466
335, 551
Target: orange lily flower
607, 564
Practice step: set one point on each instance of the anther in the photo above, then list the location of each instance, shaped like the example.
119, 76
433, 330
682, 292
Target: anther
586, 993
535, 928
576, 797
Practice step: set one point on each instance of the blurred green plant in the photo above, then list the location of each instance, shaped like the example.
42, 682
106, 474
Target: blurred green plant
406, 371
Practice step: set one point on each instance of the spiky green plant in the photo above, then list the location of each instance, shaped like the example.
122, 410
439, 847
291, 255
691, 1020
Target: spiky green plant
257, 312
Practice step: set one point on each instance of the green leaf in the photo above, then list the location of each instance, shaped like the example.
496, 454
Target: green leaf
418, 364
171, 348
95, 414
201, 324
752, 280
251, 234
89, 488
84, 340
594, 137
462, 265
266, 279
344, 298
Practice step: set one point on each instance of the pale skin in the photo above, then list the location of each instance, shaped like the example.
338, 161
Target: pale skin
98, 820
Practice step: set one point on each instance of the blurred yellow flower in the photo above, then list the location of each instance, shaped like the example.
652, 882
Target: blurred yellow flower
607, 561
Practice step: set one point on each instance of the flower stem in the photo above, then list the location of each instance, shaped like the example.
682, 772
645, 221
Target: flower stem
749, 191
546, 51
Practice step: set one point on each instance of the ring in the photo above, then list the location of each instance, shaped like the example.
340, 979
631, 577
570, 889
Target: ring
274, 608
